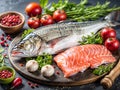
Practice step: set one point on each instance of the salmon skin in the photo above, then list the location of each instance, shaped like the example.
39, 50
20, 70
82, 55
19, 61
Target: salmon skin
36, 42
79, 58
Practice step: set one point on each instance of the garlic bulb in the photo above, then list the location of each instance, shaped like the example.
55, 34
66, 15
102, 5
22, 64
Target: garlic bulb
47, 70
32, 66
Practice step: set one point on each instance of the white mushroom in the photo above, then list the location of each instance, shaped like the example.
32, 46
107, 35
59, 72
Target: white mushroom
47, 70
32, 66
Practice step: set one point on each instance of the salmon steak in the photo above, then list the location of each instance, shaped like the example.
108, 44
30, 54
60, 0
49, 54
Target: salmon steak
79, 58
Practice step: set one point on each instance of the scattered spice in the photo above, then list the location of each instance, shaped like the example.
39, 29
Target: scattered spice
9, 38
6, 45
4, 55
36, 85
21, 64
2, 43
53, 66
29, 83
57, 72
5, 74
10, 20
4, 40
3, 34
33, 85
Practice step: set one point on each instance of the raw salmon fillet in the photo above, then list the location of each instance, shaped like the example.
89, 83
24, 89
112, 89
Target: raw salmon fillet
79, 58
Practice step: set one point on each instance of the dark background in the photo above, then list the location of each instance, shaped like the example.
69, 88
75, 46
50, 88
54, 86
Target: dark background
19, 5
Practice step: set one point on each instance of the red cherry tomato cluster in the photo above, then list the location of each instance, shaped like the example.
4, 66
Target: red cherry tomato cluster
11, 20
5, 74
109, 37
58, 15
34, 11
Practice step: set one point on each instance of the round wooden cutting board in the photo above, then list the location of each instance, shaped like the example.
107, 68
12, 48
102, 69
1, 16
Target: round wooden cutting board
58, 78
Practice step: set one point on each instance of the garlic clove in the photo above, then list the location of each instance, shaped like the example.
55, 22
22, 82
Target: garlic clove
32, 66
47, 70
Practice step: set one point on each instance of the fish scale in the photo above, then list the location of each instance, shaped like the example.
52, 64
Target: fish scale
57, 30
54, 31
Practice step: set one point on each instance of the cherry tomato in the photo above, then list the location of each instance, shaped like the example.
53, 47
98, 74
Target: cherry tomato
112, 44
46, 20
34, 22
108, 32
59, 15
33, 9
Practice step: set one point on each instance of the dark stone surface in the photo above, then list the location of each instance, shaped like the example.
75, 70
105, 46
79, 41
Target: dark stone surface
19, 5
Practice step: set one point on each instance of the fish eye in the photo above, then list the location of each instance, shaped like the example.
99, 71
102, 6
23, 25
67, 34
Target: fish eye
27, 46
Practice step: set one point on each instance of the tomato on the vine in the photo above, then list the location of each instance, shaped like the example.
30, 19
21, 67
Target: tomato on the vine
46, 19
112, 44
34, 22
59, 15
108, 32
33, 9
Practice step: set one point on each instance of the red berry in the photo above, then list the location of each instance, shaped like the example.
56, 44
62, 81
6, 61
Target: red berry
36, 85
6, 45
3, 34
9, 38
2, 38
29, 83
32, 86
2, 43
8, 20
5, 74
5, 41
57, 72
4, 55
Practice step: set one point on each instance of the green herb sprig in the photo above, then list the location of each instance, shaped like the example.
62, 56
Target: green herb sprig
44, 59
2, 63
81, 11
103, 69
92, 39
1, 60
26, 32
43, 3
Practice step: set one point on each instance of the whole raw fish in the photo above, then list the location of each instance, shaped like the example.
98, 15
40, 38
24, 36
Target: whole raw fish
56, 37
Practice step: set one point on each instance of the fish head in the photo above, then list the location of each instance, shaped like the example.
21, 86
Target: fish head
113, 18
28, 47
